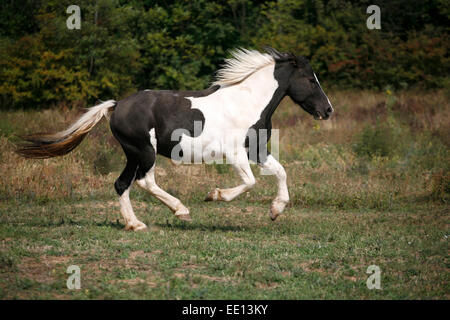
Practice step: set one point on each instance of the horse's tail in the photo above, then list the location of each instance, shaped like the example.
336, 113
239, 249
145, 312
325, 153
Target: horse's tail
41, 146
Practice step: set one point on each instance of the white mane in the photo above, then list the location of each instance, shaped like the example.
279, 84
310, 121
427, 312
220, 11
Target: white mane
243, 64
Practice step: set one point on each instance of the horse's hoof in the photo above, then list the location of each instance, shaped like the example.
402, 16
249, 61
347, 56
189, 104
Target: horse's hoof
184, 217
182, 213
213, 195
273, 216
136, 227
275, 210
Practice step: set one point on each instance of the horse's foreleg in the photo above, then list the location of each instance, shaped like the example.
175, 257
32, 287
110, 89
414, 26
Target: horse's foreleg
242, 167
282, 198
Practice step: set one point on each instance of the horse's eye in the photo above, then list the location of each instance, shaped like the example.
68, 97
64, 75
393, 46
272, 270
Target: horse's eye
313, 81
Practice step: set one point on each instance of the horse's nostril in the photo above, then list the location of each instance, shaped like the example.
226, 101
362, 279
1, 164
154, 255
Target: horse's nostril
329, 110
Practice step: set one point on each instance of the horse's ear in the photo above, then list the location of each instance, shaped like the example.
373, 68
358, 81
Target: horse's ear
273, 52
280, 56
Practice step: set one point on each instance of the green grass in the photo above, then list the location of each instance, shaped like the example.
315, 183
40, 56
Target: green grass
229, 251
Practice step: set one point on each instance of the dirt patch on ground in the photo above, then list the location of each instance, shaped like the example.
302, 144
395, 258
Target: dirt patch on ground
266, 285
136, 281
214, 278
109, 205
42, 269
141, 254
203, 276
192, 271
308, 266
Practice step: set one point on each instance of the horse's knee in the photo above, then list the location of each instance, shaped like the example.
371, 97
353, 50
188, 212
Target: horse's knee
147, 184
120, 186
126, 177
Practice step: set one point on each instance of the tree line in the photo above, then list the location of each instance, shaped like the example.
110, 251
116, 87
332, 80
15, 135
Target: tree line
128, 45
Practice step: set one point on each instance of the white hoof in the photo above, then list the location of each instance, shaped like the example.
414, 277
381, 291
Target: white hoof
276, 208
182, 213
184, 217
136, 226
214, 195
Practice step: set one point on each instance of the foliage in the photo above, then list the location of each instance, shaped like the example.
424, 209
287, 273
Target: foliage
127, 45
375, 141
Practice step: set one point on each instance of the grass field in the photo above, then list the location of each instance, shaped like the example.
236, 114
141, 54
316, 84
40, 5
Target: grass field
369, 187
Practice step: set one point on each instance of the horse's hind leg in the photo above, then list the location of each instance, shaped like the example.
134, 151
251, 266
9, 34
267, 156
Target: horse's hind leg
123, 186
146, 179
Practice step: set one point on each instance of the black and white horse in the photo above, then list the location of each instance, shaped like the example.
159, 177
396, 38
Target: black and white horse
246, 93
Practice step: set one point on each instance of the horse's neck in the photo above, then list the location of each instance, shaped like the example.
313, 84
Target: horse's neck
266, 114
265, 85
260, 93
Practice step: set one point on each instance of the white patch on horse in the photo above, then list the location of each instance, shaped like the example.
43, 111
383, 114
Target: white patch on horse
153, 139
223, 132
148, 183
131, 222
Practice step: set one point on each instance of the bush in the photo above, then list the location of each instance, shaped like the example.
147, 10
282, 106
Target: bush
379, 141
105, 163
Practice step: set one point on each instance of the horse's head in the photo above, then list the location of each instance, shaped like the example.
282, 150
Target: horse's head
302, 84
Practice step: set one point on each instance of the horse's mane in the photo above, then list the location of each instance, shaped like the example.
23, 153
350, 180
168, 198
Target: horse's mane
242, 64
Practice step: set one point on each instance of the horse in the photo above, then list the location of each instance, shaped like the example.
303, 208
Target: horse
246, 92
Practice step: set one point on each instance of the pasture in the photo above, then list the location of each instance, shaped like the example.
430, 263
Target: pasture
370, 186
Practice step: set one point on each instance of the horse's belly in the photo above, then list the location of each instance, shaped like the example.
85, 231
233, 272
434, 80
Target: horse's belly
212, 147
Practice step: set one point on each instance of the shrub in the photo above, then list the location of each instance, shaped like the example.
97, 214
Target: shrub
106, 161
380, 140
